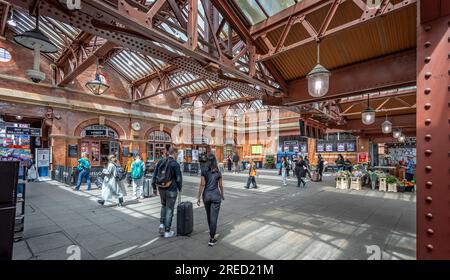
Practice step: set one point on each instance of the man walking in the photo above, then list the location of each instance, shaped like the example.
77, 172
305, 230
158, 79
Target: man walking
320, 167
84, 169
168, 179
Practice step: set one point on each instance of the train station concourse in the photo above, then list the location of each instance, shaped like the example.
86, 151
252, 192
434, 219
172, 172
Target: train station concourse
224, 130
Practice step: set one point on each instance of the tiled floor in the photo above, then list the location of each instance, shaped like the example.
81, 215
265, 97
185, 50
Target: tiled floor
272, 222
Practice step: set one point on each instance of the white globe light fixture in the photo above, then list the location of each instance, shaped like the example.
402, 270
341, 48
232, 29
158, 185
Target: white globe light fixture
97, 86
397, 133
37, 41
402, 138
386, 127
318, 78
368, 115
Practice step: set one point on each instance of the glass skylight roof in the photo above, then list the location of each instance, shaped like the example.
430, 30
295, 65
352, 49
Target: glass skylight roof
258, 10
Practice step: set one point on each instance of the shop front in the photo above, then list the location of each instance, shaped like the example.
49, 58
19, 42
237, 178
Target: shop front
99, 141
158, 143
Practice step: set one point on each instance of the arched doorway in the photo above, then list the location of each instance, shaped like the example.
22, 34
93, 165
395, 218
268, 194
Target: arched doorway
158, 141
99, 141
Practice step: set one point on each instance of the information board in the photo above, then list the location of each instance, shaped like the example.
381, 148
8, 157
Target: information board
329, 147
320, 148
10, 130
341, 147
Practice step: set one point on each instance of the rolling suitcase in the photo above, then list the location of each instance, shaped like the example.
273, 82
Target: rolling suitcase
185, 217
147, 183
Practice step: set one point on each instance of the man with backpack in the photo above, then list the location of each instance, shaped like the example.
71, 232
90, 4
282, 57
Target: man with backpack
84, 169
168, 179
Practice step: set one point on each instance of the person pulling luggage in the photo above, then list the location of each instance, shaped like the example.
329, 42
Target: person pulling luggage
168, 179
211, 190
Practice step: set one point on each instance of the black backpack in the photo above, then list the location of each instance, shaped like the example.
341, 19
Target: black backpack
120, 173
164, 175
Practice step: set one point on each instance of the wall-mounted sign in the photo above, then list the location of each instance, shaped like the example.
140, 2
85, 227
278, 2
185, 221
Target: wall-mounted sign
194, 155
200, 140
96, 132
303, 148
363, 157
328, 147
296, 149
73, 150
341, 147
351, 147
10, 130
320, 148
291, 143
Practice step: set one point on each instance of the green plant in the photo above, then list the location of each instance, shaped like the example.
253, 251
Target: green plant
270, 162
391, 179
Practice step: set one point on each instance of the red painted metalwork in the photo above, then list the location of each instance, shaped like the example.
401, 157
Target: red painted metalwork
433, 138
388, 72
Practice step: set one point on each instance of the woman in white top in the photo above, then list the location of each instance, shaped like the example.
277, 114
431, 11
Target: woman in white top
32, 173
112, 189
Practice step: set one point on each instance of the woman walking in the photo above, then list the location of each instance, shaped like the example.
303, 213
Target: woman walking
211, 190
284, 167
84, 169
112, 188
137, 177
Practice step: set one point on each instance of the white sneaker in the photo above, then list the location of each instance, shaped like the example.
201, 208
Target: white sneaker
169, 234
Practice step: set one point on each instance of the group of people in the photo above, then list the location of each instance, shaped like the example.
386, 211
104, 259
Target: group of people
167, 179
233, 163
343, 164
301, 168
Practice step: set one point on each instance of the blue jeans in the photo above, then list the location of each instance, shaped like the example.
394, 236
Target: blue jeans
168, 200
84, 173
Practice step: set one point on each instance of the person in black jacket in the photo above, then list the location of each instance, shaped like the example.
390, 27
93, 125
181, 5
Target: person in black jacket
211, 189
320, 167
168, 193
300, 171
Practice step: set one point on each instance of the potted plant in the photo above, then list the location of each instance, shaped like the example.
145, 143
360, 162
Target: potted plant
342, 179
270, 162
392, 183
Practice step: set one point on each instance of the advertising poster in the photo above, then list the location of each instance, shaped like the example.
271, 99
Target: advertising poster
320, 148
341, 147
351, 147
329, 147
303, 148
194, 155
43, 164
363, 157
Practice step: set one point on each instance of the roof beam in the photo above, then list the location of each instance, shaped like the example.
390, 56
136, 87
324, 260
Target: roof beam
154, 75
231, 102
239, 27
379, 74
398, 121
4, 18
367, 16
203, 91
178, 13
169, 89
85, 62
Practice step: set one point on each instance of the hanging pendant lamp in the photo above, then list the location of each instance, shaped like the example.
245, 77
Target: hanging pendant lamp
318, 78
368, 115
386, 126
97, 86
397, 133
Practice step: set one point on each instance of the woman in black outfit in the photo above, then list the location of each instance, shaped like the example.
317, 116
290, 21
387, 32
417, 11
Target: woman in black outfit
229, 163
211, 187
300, 171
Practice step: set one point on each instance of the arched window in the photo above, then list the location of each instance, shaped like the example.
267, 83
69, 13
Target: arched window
159, 141
5, 56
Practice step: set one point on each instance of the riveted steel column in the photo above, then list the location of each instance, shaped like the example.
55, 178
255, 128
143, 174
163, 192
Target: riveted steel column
433, 135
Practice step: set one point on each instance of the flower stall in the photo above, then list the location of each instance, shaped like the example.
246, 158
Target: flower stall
342, 180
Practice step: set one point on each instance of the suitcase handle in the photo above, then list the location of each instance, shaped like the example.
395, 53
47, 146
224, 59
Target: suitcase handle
179, 197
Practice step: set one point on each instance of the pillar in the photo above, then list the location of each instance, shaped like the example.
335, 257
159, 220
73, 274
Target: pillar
433, 137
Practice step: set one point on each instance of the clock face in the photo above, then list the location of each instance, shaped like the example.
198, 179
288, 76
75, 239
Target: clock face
136, 126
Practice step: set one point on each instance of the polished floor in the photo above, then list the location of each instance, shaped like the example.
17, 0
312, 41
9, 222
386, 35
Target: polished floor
271, 222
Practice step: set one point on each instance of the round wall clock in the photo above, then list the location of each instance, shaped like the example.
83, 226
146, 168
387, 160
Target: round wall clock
136, 126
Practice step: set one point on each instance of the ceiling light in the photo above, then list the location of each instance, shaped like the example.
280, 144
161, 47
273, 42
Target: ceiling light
130, 63
368, 115
19, 118
37, 41
318, 78
402, 138
386, 126
397, 133
97, 86
187, 105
